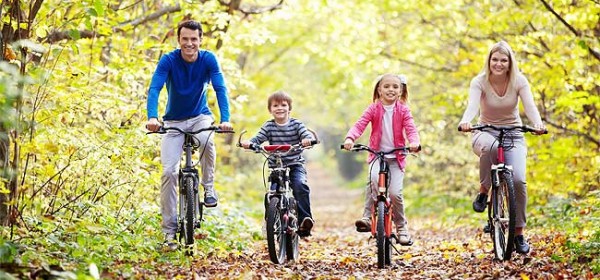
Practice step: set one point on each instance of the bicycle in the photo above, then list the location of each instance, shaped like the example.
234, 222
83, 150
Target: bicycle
502, 205
282, 223
190, 206
381, 214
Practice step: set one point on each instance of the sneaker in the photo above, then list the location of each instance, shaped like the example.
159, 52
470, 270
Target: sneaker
521, 245
403, 237
305, 227
480, 202
210, 198
170, 243
363, 224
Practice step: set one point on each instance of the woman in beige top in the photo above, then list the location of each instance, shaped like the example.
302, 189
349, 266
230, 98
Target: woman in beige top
495, 93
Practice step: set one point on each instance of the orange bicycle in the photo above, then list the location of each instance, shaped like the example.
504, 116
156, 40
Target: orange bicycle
381, 215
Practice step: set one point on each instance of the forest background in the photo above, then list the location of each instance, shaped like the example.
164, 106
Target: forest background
80, 176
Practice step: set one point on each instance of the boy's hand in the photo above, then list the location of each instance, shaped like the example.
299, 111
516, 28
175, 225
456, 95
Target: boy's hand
306, 142
246, 144
348, 144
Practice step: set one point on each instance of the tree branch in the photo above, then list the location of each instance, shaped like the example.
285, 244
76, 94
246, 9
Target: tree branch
572, 131
152, 16
571, 28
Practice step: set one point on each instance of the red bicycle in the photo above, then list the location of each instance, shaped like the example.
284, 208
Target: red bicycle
381, 215
503, 209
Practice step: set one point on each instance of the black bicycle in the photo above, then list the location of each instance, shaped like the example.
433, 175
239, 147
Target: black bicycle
281, 215
381, 212
190, 205
503, 207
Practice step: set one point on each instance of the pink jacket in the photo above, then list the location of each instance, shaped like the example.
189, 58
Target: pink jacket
402, 122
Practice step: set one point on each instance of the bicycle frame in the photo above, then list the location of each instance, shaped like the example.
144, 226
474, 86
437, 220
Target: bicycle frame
502, 204
382, 208
189, 216
280, 204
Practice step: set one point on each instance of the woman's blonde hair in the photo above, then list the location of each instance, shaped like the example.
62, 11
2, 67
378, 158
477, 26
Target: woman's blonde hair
503, 48
402, 78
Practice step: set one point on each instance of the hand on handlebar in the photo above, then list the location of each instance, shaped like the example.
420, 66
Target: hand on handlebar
464, 127
306, 142
153, 125
225, 126
414, 148
246, 144
540, 129
348, 144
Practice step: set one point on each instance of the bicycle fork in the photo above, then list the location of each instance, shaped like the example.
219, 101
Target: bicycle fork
183, 174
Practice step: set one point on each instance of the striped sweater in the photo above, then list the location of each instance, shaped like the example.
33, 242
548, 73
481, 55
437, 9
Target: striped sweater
278, 134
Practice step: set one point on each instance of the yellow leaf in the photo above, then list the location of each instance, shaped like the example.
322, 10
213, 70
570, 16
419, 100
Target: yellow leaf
524, 276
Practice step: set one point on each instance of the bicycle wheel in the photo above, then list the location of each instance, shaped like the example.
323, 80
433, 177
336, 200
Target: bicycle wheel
292, 237
380, 235
188, 211
504, 214
276, 238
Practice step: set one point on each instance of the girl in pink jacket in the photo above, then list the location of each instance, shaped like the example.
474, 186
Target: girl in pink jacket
391, 126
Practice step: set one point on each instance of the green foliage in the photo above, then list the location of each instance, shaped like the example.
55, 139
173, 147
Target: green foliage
578, 222
8, 251
90, 175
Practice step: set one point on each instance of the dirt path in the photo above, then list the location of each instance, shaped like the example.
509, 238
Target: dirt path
337, 251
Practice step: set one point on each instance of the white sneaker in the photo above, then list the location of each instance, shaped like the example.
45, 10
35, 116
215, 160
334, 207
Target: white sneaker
403, 236
170, 243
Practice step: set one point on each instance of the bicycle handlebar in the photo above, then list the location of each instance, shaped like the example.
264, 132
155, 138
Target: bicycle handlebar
523, 128
362, 147
216, 129
277, 148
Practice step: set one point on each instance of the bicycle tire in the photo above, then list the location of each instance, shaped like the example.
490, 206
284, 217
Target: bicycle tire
276, 238
504, 215
292, 238
380, 235
188, 206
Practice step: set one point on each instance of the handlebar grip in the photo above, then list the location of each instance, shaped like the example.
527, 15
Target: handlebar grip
459, 128
342, 146
314, 142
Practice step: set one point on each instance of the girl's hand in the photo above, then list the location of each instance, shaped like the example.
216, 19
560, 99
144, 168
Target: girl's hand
414, 148
348, 144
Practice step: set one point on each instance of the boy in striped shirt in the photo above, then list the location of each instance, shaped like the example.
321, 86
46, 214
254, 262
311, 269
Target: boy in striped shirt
283, 129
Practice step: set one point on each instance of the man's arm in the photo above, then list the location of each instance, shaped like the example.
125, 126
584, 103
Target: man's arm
156, 84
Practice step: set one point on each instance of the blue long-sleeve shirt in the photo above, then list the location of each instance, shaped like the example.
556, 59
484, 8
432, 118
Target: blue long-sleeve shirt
187, 84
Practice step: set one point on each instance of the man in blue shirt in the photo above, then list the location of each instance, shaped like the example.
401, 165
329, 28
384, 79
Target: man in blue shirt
187, 72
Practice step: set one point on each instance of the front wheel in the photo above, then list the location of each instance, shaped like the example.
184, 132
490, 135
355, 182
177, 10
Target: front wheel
380, 235
188, 201
292, 238
503, 216
276, 237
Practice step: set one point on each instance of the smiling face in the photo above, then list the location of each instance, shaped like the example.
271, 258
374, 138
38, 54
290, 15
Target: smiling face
189, 41
499, 64
389, 89
280, 110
